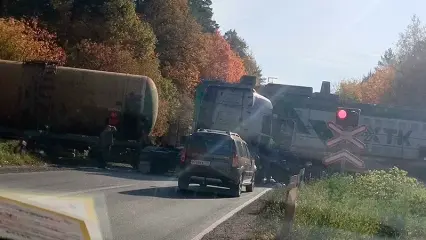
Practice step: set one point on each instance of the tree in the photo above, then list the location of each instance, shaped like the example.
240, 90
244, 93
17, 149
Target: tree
368, 76
399, 77
103, 57
252, 68
42, 9
349, 90
168, 106
387, 59
203, 13
413, 34
240, 47
409, 86
375, 90
26, 40
378, 86
180, 47
112, 21
238, 44
222, 63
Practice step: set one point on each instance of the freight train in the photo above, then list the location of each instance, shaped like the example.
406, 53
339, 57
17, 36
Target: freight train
66, 104
394, 135
299, 116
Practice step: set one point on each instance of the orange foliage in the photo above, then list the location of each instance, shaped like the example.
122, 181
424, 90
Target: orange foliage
222, 62
98, 56
183, 71
162, 123
378, 86
373, 91
26, 40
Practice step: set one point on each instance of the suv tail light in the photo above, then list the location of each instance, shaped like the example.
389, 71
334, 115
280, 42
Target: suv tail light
183, 156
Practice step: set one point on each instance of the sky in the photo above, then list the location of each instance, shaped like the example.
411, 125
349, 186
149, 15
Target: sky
305, 42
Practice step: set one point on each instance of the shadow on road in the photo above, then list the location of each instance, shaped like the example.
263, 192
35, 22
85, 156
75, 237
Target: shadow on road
128, 174
194, 192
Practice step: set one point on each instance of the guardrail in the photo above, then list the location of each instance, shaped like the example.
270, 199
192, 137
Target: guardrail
292, 192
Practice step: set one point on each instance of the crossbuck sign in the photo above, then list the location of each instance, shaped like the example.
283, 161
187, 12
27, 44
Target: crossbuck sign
345, 136
345, 156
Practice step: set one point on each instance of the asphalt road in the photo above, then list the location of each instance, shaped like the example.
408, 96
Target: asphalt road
139, 206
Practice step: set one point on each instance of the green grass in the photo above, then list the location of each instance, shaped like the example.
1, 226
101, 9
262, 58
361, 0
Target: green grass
9, 158
386, 204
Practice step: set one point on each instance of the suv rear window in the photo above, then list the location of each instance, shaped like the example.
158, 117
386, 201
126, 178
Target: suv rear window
210, 143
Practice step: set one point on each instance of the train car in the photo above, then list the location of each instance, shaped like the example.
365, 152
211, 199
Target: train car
62, 100
301, 116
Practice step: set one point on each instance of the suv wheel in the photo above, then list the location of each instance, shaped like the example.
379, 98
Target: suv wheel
183, 184
249, 188
237, 189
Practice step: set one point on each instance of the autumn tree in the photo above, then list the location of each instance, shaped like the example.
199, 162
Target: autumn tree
399, 77
349, 90
378, 87
26, 40
375, 90
180, 46
99, 56
240, 47
222, 63
367, 76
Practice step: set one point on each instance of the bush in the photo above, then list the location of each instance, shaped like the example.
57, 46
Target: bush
362, 206
9, 158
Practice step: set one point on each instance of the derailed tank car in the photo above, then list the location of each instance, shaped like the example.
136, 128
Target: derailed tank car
74, 102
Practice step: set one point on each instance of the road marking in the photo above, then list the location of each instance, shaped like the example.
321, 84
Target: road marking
228, 215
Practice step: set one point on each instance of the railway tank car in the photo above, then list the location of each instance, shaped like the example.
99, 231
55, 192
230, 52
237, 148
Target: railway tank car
40, 95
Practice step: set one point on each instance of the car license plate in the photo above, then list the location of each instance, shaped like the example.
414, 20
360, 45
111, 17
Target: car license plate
200, 162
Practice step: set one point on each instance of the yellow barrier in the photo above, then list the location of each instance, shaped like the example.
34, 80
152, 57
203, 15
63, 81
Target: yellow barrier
47, 217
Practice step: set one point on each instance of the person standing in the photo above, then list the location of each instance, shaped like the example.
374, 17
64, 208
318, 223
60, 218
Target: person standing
106, 140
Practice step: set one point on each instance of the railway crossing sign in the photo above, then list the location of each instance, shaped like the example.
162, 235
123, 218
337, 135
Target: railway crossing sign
344, 156
341, 135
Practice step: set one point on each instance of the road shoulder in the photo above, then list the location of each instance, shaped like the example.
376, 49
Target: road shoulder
241, 224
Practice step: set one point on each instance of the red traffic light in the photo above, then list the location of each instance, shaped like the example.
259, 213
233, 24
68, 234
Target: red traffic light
342, 114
